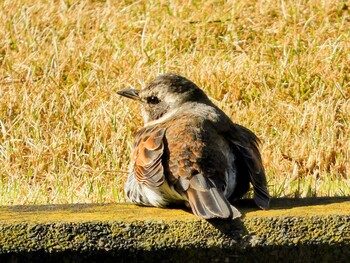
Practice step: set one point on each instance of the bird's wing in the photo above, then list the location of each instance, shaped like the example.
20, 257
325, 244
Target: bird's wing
198, 168
248, 160
147, 156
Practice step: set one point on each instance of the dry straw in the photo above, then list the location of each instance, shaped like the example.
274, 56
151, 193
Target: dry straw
281, 68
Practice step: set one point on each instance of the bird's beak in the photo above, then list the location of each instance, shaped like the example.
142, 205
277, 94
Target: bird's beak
129, 93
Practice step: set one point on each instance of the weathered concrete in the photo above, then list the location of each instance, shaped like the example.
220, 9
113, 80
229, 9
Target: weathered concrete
293, 230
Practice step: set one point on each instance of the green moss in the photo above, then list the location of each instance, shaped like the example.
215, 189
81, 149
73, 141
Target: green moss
87, 212
128, 231
127, 212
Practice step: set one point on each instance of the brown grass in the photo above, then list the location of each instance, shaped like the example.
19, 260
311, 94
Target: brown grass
281, 68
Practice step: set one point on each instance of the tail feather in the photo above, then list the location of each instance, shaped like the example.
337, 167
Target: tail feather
211, 203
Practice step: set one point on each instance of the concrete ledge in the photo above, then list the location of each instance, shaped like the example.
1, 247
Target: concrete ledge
294, 230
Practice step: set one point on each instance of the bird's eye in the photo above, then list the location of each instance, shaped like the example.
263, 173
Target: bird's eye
152, 100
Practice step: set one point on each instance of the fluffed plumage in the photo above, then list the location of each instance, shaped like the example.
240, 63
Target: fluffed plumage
190, 152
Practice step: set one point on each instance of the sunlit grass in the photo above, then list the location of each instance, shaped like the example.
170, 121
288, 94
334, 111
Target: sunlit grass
281, 68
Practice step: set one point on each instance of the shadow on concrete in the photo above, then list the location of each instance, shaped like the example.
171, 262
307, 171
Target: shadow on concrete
248, 205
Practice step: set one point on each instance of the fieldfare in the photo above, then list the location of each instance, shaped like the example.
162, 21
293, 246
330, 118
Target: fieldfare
190, 152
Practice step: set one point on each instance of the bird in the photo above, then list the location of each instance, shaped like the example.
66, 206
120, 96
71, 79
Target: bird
189, 152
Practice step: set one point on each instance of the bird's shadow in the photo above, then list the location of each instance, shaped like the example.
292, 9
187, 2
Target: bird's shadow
235, 228
248, 205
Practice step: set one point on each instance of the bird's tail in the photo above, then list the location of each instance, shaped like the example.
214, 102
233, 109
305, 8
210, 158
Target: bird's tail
209, 202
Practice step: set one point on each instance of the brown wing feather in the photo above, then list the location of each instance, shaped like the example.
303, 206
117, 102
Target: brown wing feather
198, 167
147, 156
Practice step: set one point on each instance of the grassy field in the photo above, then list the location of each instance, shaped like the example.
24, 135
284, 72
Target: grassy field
281, 68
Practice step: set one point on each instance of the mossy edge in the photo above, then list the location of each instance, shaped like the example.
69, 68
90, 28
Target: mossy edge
176, 232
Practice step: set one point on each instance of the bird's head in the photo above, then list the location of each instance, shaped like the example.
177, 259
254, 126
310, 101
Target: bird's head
165, 95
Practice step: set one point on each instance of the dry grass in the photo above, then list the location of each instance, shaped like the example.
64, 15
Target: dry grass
281, 68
